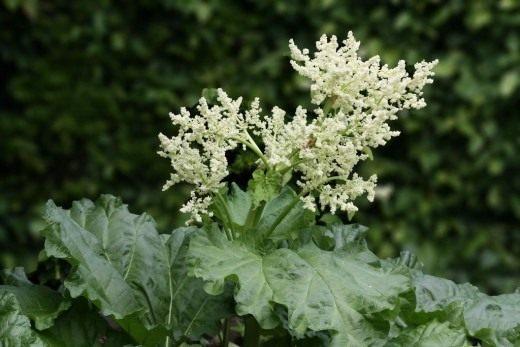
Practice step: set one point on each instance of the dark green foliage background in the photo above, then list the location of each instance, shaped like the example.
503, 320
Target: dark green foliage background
87, 85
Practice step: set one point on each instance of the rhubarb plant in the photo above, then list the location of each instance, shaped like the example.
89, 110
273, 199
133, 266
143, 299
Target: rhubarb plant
271, 263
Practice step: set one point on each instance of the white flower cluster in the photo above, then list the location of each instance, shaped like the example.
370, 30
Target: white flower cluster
198, 151
355, 101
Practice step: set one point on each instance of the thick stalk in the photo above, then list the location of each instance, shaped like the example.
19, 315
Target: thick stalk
252, 332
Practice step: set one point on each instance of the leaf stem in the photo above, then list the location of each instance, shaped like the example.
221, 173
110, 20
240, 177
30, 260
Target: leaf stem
251, 144
227, 331
167, 342
282, 215
284, 170
400, 322
228, 228
336, 178
252, 332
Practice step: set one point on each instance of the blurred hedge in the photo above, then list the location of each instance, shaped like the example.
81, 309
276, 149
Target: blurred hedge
87, 85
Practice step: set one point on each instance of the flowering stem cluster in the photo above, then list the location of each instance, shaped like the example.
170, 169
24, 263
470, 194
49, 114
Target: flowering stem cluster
354, 100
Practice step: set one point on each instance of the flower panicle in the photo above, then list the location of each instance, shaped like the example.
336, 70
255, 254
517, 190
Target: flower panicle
355, 101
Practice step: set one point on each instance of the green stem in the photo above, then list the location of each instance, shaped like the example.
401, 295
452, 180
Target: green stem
335, 178
227, 331
400, 322
57, 272
254, 147
252, 332
284, 170
251, 144
282, 215
167, 342
327, 106
228, 228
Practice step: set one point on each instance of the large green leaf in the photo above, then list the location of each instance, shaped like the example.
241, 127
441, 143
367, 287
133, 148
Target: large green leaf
41, 304
331, 291
434, 293
82, 326
15, 327
193, 311
433, 334
214, 259
321, 290
493, 319
122, 264
113, 251
346, 237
